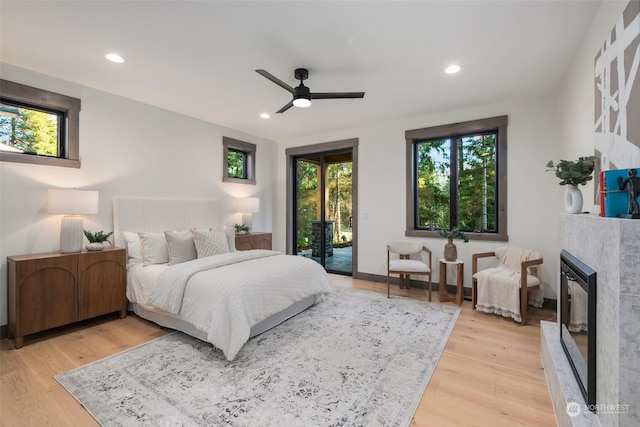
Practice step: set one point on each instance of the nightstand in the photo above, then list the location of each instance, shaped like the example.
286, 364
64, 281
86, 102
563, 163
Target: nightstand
55, 289
257, 240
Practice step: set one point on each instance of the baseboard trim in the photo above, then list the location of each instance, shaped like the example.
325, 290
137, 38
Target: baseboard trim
420, 284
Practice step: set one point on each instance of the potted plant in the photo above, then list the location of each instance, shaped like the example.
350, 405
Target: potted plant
97, 239
450, 249
573, 173
241, 228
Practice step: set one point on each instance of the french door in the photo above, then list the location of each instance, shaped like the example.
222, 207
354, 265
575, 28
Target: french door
322, 208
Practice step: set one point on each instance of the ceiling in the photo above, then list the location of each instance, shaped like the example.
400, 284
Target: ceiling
199, 58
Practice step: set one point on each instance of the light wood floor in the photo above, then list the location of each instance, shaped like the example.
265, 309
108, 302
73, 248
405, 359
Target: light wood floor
490, 373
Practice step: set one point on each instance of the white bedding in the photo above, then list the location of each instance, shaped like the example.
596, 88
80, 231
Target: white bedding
225, 295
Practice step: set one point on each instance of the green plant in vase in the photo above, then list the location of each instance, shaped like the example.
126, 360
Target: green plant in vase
573, 173
241, 228
97, 239
450, 249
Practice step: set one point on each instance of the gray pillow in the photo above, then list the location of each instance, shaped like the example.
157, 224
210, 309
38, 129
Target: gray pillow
181, 246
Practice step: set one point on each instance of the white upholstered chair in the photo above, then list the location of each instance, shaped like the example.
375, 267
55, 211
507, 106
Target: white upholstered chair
507, 289
399, 262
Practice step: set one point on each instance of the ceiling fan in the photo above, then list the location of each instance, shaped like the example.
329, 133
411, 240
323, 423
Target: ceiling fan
302, 96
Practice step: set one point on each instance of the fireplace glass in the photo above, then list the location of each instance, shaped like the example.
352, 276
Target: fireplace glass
578, 322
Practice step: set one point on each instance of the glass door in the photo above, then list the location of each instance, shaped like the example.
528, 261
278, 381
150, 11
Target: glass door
323, 204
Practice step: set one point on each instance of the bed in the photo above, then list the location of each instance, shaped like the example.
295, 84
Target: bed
184, 273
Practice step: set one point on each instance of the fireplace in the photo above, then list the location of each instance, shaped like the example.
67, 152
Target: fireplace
577, 322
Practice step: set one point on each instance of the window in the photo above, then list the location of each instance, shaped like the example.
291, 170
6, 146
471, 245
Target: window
456, 177
239, 161
38, 127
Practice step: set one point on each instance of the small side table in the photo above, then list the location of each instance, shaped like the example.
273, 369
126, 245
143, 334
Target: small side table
444, 294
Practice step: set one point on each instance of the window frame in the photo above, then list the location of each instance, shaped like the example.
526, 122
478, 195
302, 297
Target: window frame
249, 151
69, 132
454, 130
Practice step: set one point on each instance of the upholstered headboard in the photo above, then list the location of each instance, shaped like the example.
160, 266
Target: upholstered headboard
159, 215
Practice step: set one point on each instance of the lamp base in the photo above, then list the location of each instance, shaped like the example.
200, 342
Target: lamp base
71, 234
247, 219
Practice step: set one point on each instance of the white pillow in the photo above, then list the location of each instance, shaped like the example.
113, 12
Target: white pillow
154, 248
231, 236
181, 246
209, 243
134, 248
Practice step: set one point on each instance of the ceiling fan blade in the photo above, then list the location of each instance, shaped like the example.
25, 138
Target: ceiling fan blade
286, 107
276, 80
336, 95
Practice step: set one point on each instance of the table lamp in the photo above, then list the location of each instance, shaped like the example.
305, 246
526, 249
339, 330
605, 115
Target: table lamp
72, 203
247, 206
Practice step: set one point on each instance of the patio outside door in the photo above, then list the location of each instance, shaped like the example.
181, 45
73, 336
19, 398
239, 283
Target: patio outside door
323, 206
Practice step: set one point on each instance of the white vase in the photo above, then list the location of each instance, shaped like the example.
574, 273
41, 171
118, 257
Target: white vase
95, 246
573, 199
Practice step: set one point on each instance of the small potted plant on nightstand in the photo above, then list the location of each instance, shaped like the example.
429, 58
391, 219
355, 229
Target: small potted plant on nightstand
241, 228
97, 239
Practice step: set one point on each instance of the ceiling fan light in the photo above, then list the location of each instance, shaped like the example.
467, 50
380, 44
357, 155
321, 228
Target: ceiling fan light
301, 102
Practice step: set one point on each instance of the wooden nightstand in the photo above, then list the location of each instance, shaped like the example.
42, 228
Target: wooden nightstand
257, 240
55, 289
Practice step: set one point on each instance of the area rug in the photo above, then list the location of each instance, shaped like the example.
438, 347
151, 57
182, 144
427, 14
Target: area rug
354, 359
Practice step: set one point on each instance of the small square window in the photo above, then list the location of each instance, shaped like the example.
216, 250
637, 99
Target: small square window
239, 161
38, 126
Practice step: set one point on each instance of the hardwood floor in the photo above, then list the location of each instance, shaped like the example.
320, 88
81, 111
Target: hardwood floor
490, 373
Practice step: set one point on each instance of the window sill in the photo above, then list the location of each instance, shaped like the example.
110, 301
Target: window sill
239, 180
492, 237
39, 160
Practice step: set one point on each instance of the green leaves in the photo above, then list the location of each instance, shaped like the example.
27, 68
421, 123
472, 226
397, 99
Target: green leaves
454, 233
241, 228
98, 236
573, 172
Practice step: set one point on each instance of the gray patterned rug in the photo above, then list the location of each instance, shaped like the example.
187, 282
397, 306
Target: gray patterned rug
354, 359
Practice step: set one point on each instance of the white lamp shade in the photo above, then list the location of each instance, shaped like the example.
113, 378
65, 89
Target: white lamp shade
73, 202
247, 205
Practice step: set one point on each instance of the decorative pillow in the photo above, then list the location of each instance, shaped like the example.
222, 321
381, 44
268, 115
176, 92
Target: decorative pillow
181, 246
134, 248
209, 243
154, 248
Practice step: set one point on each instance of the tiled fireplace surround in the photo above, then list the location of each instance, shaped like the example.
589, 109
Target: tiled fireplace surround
611, 247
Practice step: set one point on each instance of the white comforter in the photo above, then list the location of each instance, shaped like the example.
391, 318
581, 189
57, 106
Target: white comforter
225, 295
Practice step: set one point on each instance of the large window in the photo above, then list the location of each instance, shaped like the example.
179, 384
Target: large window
456, 177
238, 161
37, 126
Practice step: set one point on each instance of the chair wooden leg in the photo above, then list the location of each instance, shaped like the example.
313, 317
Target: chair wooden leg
430, 285
524, 297
388, 285
474, 293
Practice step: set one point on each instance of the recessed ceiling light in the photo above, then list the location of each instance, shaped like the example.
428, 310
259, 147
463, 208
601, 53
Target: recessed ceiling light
114, 57
265, 115
451, 69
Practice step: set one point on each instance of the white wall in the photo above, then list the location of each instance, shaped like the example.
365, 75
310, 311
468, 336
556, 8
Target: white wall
126, 149
533, 139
